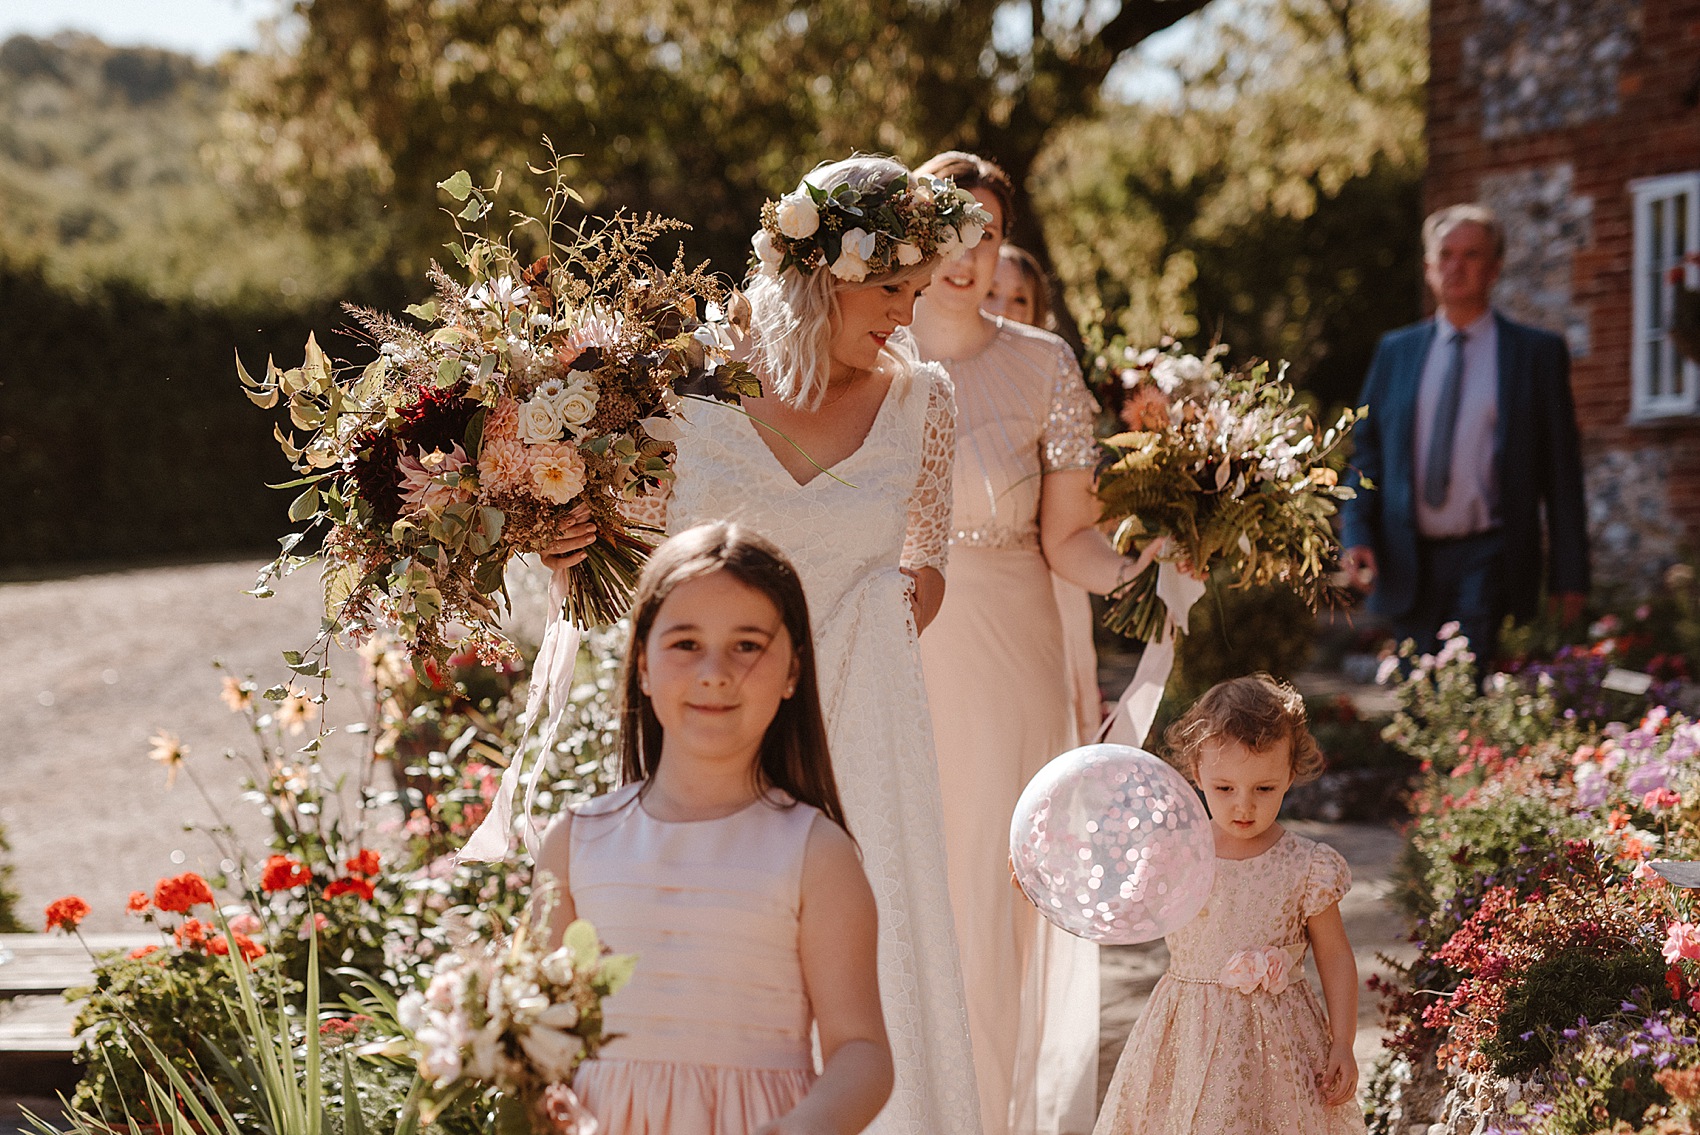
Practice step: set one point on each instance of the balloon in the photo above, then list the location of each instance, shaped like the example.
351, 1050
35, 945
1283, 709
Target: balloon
1113, 845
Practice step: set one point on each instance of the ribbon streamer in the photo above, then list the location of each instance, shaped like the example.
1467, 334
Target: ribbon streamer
1136, 709
550, 694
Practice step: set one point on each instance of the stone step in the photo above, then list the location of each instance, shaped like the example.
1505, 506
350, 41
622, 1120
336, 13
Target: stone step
36, 1041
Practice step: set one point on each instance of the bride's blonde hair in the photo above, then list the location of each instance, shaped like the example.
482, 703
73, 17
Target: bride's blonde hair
794, 314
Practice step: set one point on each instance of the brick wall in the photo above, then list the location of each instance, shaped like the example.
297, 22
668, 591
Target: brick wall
1548, 109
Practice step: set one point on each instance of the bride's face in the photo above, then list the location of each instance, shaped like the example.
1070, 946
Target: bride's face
963, 282
866, 318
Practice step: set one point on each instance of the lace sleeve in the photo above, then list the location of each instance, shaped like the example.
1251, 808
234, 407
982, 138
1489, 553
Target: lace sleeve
925, 544
650, 509
1069, 440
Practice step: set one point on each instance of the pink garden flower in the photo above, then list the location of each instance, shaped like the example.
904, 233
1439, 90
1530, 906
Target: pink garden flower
423, 487
1660, 799
1682, 940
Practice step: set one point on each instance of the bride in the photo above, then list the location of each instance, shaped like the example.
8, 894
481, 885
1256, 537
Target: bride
845, 463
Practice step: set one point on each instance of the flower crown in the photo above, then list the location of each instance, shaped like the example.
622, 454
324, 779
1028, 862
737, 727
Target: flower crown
857, 232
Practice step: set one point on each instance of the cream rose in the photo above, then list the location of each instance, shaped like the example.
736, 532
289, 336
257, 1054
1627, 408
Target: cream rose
539, 422
971, 235
577, 405
908, 254
766, 251
849, 267
797, 215
861, 242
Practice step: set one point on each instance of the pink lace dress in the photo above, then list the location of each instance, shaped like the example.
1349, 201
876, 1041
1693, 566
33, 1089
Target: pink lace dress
1234, 1035
999, 674
713, 1031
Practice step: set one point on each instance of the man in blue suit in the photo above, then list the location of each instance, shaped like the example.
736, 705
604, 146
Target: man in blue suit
1470, 438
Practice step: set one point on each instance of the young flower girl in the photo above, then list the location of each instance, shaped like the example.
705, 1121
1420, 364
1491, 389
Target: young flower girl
724, 865
1233, 1039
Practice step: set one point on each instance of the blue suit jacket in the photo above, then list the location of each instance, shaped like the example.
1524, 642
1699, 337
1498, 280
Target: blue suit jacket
1536, 453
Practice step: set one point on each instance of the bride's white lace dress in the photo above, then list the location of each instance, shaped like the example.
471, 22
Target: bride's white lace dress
888, 504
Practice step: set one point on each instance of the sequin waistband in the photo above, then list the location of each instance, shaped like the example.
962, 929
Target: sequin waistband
1026, 540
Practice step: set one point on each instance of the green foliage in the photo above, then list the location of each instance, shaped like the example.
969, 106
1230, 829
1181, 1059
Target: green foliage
103, 172
181, 1006
121, 435
690, 108
9, 921
1555, 991
1275, 205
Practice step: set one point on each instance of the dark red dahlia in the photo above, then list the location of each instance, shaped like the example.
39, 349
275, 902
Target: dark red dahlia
437, 421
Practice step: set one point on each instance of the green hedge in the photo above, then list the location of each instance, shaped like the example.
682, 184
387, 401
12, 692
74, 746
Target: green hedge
123, 433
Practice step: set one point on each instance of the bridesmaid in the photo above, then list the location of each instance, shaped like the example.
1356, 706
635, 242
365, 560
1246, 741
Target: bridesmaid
995, 668
1021, 292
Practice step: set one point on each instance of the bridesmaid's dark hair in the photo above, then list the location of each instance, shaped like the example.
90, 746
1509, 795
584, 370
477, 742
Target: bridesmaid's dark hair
971, 171
794, 755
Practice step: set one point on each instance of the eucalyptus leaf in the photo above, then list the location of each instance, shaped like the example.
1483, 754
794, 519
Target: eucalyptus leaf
458, 185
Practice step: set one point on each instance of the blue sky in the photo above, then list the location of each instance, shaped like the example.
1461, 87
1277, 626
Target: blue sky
199, 27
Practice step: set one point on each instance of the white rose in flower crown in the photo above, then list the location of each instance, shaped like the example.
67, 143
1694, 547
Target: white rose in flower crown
539, 421
949, 241
909, 254
861, 242
797, 215
766, 251
971, 235
849, 267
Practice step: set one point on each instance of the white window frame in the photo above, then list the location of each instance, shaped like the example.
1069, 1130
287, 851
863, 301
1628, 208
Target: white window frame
1664, 384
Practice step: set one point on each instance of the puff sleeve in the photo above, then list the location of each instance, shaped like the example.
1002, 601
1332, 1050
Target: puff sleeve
1327, 880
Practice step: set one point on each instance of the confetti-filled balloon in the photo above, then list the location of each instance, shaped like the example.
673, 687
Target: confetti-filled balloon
1113, 845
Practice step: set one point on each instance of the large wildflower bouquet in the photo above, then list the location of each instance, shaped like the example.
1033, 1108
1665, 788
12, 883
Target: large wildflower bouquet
1227, 464
529, 389
517, 1018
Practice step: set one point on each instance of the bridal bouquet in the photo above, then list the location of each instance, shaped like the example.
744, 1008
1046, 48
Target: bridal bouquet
1224, 463
525, 390
518, 1019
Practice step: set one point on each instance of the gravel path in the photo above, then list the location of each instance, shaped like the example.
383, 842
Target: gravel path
95, 665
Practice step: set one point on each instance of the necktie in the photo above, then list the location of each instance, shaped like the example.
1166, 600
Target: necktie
1437, 475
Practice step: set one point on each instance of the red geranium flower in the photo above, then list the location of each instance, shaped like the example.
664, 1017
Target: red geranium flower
193, 932
179, 895
64, 914
349, 886
138, 902
143, 951
364, 863
281, 873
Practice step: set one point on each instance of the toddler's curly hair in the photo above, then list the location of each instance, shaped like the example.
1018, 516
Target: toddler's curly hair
1258, 712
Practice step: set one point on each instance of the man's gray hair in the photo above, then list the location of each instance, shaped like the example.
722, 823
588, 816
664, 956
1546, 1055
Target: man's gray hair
1442, 221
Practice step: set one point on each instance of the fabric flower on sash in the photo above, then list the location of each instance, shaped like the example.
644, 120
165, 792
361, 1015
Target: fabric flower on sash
1269, 969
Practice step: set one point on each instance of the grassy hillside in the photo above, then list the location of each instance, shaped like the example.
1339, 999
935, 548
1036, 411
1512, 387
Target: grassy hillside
109, 172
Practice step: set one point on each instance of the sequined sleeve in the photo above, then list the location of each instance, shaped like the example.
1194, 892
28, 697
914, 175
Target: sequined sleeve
926, 542
1327, 881
1069, 440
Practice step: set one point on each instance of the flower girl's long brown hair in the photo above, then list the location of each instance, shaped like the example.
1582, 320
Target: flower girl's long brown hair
794, 755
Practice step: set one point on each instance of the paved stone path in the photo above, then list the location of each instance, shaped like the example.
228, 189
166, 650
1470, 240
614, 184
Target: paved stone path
94, 665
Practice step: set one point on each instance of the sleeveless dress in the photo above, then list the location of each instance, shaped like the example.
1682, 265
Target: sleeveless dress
1218, 1051
998, 682
847, 533
713, 1031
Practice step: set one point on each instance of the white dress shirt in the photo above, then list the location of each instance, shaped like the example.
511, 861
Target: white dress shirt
1472, 498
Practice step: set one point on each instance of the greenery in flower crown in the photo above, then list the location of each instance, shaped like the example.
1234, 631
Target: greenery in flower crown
861, 231
1228, 465
534, 387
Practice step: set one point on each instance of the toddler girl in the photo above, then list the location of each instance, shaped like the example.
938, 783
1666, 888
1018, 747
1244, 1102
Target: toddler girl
724, 865
1233, 1040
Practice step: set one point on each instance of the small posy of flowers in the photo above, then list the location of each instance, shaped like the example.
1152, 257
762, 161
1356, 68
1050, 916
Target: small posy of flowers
517, 1017
857, 231
513, 397
1227, 465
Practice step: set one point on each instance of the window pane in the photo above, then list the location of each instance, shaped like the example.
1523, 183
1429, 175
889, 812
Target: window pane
1679, 219
1655, 359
